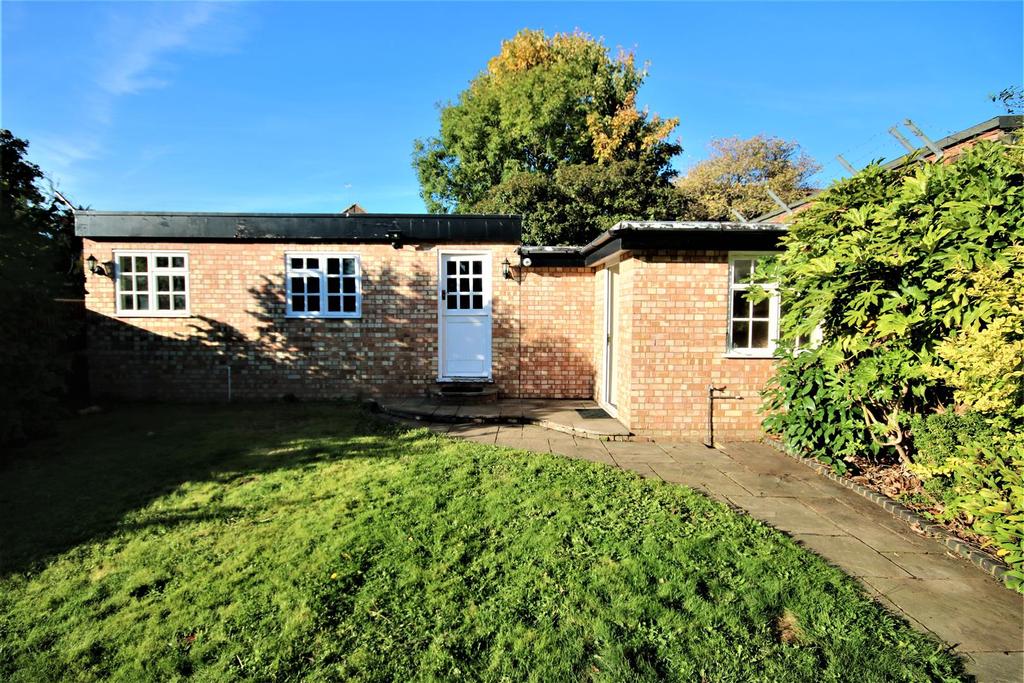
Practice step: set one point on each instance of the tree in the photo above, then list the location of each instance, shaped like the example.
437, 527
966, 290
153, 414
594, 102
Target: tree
37, 249
546, 115
736, 173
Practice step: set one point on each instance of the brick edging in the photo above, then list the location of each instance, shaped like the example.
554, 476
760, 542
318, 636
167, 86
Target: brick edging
901, 512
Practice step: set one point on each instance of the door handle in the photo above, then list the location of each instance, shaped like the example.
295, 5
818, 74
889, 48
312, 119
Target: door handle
442, 295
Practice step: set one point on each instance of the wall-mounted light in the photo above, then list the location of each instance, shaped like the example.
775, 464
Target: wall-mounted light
506, 269
91, 262
396, 238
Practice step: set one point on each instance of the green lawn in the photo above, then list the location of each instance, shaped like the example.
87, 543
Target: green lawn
312, 542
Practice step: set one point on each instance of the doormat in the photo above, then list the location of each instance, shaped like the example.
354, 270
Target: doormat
592, 413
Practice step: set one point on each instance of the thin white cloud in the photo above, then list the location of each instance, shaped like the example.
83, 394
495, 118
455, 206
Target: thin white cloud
139, 46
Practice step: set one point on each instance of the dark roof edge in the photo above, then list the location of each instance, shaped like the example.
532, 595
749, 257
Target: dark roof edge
1006, 122
652, 234
270, 214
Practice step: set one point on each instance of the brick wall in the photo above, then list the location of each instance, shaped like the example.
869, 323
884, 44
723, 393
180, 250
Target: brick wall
676, 344
237, 320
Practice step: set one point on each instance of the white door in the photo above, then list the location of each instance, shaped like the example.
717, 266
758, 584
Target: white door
611, 318
464, 316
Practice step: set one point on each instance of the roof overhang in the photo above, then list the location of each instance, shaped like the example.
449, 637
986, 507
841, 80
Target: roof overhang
327, 227
671, 235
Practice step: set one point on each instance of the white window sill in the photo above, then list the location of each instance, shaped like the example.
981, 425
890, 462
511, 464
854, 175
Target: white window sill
318, 316
161, 314
767, 355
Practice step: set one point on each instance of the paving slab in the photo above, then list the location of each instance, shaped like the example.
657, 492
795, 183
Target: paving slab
851, 555
787, 514
870, 524
996, 667
934, 565
977, 615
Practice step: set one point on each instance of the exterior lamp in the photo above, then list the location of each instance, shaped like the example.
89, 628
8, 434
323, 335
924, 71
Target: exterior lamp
91, 262
506, 269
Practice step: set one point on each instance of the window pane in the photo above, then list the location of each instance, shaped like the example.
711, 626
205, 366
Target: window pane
163, 283
740, 305
313, 304
142, 302
478, 267
296, 263
349, 267
450, 268
464, 301
761, 309
452, 301
163, 302
349, 285
760, 335
463, 268
740, 334
334, 304
162, 261
142, 282
298, 285
178, 261
179, 302
333, 266
312, 285
453, 284
333, 285
478, 301
179, 283
350, 304
125, 264
741, 270
127, 302
140, 264
313, 263
299, 304
126, 283
478, 284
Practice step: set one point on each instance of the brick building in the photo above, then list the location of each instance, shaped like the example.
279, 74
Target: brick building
644, 319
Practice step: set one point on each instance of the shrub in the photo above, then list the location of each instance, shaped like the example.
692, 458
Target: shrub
915, 279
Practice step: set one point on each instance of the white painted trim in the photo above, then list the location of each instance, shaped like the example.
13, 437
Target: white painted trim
773, 311
151, 291
322, 313
488, 273
609, 362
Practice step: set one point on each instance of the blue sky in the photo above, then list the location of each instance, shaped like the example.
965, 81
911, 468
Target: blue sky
312, 106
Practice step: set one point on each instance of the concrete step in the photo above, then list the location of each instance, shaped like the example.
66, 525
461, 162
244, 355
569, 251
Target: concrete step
464, 393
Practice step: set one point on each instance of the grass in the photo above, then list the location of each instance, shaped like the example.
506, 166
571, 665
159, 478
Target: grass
310, 541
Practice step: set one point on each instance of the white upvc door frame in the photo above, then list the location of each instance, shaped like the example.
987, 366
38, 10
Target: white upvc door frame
607, 398
442, 313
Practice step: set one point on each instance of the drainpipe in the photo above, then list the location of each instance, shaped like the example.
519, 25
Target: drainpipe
228, 368
710, 440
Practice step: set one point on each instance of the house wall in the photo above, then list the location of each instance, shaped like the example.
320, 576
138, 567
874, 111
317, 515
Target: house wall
238, 319
677, 347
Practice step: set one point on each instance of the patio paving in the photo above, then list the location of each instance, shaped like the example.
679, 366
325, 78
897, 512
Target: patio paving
912, 575
579, 417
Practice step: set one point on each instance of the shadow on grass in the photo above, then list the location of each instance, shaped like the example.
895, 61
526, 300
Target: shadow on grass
82, 482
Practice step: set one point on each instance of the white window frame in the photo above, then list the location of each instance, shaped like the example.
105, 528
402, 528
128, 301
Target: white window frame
151, 291
322, 272
733, 351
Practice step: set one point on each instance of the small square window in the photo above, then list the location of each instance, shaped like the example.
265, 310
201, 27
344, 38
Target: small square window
140, 280
463, 267
478, 267
450, 268
478, 301
350, 304
452, 302
319, 285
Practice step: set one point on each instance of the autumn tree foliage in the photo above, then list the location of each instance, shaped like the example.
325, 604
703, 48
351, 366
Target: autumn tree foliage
551, 130
736, 173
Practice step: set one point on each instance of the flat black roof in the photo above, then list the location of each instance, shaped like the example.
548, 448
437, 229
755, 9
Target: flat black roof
676, 235
331, 227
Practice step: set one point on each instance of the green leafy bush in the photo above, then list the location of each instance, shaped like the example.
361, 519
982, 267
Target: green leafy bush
915, 278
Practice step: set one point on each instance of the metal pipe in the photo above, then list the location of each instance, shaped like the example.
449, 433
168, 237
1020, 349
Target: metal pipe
710, 440
228, 368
